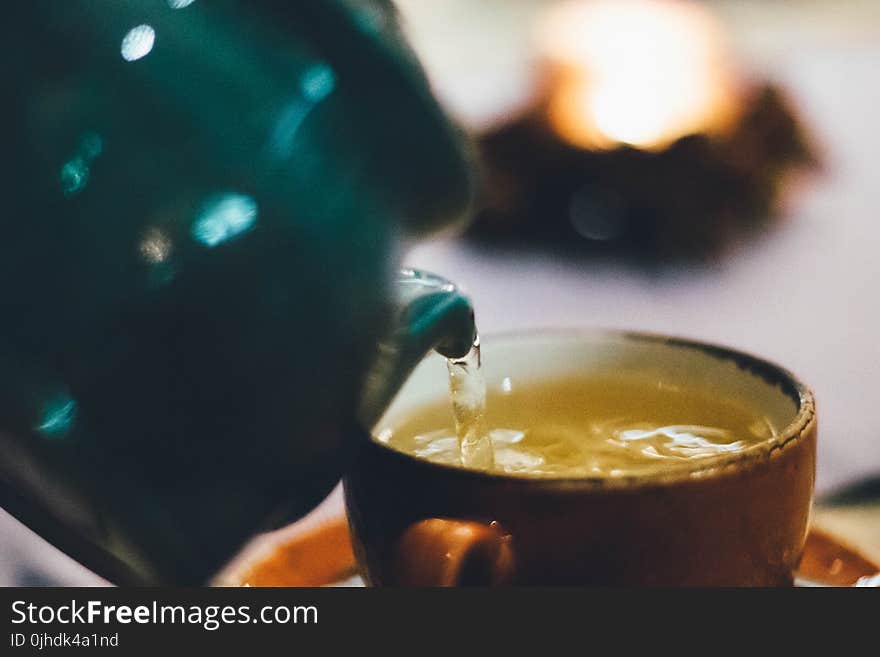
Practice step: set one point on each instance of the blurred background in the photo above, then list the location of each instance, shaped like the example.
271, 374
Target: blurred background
705, 169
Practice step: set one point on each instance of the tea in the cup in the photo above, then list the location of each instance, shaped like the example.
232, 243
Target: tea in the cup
601, 425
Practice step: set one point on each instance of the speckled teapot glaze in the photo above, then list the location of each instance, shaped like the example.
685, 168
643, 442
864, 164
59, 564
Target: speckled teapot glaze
202, 210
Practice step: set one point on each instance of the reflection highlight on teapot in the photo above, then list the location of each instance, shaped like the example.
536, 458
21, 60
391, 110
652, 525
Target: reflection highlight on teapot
316, 84
75, 172
58, 418
137, 43
224, 217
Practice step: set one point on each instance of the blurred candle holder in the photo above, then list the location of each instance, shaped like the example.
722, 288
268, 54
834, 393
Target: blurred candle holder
645, 141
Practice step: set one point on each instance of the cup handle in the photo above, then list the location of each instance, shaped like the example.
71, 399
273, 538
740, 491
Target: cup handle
442, 552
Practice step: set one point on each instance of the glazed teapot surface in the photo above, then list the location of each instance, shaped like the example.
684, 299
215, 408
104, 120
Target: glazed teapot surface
202, 205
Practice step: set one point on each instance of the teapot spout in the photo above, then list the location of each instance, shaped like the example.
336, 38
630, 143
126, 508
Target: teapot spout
432, 313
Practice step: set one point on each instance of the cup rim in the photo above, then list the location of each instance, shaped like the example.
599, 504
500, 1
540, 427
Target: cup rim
715, 466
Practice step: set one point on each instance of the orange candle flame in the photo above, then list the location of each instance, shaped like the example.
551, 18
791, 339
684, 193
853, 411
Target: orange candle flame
637, 72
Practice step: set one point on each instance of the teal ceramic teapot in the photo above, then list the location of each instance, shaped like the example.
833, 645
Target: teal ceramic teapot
203, 203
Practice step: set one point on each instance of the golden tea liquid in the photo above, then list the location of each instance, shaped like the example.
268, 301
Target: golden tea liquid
597, 426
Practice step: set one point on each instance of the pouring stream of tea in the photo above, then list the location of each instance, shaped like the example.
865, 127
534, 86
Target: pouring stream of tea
467, 387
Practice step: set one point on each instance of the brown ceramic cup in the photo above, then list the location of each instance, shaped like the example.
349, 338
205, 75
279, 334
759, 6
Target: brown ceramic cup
732, 520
